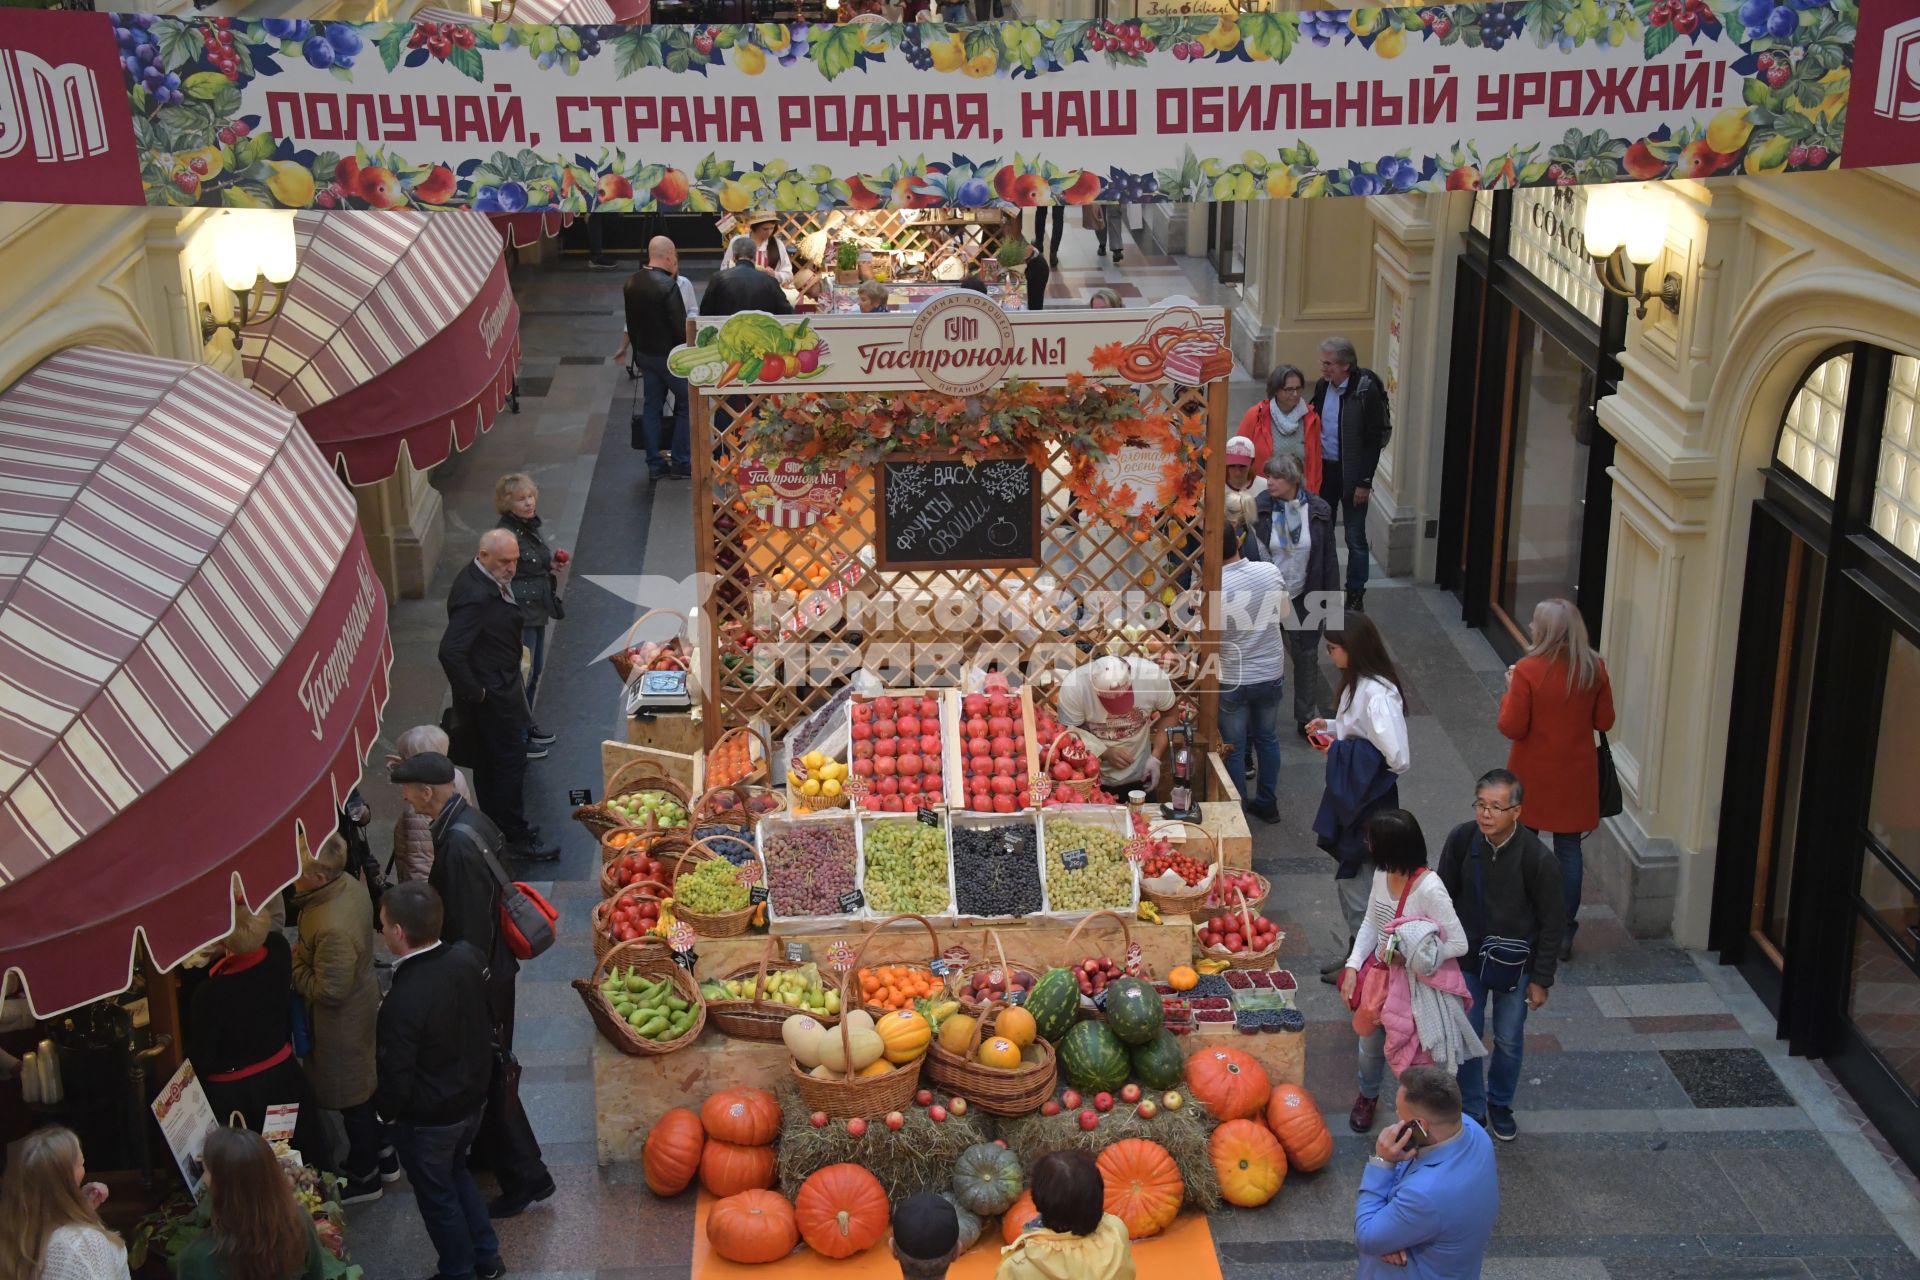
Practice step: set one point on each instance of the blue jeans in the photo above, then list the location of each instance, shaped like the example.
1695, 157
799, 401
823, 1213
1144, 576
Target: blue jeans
1250, 716
1353, 521
535, 638
435, 1158
1493, 1080
657, 382
1566, 850
1373, 1061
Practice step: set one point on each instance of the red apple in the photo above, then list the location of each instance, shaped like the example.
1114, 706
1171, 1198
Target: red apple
1089, 1121
1070, 1099
895, 1119
937, 1113
857, 1127
1103, 1101
1047, 1108
818, 1120
957, 1106
1146, 1110
1130, 1092
924, 1097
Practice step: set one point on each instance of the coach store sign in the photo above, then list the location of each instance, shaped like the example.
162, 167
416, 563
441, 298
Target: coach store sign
1546, 240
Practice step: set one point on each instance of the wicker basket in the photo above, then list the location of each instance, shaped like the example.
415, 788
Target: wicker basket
650, 957
1256, 901
855, 1095
957, 982
1246, 959
757, 772
995, 1090
759, 1018
1126, 934
933, 948
598, 819
661, 846
799, 803
1051, 756
1187, 902
603, 941
645, 775
718, 924
735, 809
624, 838
622, 658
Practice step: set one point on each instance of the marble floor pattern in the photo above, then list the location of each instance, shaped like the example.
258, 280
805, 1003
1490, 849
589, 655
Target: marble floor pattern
1664, 1132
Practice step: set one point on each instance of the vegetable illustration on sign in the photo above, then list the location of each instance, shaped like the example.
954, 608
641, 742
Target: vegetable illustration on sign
750, 347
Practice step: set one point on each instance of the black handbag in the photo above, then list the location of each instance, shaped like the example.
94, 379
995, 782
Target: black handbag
1611, 801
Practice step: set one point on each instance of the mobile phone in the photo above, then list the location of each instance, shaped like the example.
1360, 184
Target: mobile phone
1417, 1130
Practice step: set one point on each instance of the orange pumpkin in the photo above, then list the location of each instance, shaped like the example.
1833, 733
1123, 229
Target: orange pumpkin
752, 1227
671, 1156
1182, 977
1248, 1161
905, 1034
1144, 1187
748, 1117
1228, 1083
727, 1168
1295, 1120
842, 1210
1015, 1220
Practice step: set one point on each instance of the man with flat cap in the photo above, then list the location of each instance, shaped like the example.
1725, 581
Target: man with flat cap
925, 1232
468, 876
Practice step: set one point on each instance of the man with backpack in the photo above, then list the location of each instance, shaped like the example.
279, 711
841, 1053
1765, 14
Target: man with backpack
467, 875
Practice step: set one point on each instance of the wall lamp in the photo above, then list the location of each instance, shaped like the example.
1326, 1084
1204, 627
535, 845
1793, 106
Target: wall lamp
1626, 233
255, 257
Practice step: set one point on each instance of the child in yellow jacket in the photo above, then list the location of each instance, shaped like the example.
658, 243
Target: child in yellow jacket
1075, 1239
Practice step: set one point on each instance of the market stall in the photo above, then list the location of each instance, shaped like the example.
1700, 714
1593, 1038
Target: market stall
917, 252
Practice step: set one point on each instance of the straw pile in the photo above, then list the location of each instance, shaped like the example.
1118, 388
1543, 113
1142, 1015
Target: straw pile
917, 1157
1183, 1133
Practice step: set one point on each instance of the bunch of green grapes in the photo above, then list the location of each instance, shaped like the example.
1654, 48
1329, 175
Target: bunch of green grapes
906, 867
710, 888
1106, 880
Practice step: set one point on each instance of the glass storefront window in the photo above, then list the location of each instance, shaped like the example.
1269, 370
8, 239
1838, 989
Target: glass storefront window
1896, 491
1893, 815
1546, 496
1804, 637
1884, 1004
1809, 443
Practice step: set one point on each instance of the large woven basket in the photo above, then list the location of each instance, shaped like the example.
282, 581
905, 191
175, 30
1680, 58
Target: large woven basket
645, 775
759, 1018
732, 738
603, 940
650, 957
855, 1095
663, 847
998, 1091
677, 645
735, 809
1246, 959
933, 952
715, 924
957, 981
1186, 902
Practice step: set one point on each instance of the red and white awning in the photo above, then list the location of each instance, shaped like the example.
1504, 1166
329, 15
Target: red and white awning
193, 660
519, 230
579, 13
399, 331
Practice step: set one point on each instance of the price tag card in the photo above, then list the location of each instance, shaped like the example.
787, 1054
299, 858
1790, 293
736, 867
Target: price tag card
578, 797
928, 817
796, 953
1100, 1001
1074, 859
852, 900
685, 959
938, 966
757, 894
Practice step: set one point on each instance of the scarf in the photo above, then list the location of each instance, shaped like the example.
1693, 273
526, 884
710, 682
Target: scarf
1282, 423
1289, 519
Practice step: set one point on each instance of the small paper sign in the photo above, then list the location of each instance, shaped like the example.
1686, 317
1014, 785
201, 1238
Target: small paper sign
579, 796
1100, 1000
928, 817
852, 900
749, 873
757, 894
686, 960
1074, 859
938, 966
279, 1122
1134, 956
1137, 847
1010, 840
681, 937
1040, 786
840, 954
796, 953
857, 785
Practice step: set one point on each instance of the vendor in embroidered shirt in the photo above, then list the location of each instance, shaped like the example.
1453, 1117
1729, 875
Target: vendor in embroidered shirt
1124, 703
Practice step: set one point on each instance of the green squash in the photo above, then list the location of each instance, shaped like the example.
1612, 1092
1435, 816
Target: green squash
987, 1179
1054, 1002
1159, 1063
1134, 1011
1093, 1057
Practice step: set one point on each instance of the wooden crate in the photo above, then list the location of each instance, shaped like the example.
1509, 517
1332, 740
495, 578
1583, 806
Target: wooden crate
956, 744
680, 732
1227, 821
948, 740
1162, 946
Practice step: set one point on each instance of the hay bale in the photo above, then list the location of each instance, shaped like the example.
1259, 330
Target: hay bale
917, 1157
1183, 1133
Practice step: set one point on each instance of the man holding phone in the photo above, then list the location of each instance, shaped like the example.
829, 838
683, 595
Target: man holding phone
1431, 1191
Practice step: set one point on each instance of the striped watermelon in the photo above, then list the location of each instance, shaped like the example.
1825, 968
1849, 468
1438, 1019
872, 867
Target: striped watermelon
1054, 1002
1094, 1058
1134, 1011
1159, 1063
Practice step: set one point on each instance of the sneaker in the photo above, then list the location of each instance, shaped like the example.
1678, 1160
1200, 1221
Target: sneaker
680, 472
490, 1270
602, 263
505, 1206
540, 737
1269, 814
1500, 1123
536, 751
1053, 259
1357, 599
535, 851
1360, 1119
1118, 254
361, 1190
389, 1165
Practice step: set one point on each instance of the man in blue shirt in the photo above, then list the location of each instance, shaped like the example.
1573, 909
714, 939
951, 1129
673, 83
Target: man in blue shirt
1355, 424
1430, 1192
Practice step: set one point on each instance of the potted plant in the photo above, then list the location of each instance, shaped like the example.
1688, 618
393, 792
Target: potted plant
847, 263
1012, 257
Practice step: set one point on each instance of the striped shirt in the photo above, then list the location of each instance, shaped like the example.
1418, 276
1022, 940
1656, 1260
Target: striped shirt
1253, 605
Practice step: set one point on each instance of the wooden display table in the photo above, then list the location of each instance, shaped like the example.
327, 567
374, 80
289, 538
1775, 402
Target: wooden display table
1042, 946
630, 1094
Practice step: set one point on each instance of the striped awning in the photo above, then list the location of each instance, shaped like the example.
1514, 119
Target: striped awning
519, 230
193, 659
399, 331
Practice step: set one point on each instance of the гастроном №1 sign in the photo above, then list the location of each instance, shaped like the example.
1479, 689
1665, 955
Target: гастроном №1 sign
102, 108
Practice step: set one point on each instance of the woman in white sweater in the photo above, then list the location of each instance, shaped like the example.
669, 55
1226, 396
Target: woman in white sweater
50, 1226
1401, 885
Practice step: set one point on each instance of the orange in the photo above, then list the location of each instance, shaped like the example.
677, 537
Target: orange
998, 1052
1017, 1025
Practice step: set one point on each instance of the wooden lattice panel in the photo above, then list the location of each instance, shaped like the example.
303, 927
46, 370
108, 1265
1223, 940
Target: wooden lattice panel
763, 573
909, 230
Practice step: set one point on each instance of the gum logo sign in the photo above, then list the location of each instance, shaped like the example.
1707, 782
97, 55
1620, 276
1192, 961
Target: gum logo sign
1883, 105
961, 343
61, 138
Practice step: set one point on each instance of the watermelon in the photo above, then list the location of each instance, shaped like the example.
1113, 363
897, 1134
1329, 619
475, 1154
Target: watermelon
1093, 1057
1159, 1063
1054, 1002
1134, 1011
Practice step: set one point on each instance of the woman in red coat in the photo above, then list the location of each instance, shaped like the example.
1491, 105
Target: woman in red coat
1557, 697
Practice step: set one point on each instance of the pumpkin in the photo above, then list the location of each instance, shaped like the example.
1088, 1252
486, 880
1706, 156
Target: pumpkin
802, 1036
1182, 977
1228, 1083
1017, 1025
987, 1178
671, 1156
1248, 1161
970, 1224
747, 1117
904, 1035
1295, 1120
998, 1051
752, 1227
1144, 1187
955, 1032
841, 1210
864, 1043
1015, 1220
727, 1168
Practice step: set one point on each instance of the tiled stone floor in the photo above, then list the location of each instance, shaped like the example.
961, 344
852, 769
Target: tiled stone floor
1665, 1133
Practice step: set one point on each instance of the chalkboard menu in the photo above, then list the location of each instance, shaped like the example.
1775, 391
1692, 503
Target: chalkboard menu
940, 512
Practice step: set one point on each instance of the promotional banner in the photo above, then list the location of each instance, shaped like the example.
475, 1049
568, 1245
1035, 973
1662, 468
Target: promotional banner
505, 118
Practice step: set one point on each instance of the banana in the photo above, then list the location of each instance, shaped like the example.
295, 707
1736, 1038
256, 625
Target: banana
1148, 912
1212, 966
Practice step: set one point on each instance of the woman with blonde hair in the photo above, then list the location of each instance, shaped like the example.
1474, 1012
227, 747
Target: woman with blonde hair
1558, 696
535, 587
50, 1226
256, 1229
412, 856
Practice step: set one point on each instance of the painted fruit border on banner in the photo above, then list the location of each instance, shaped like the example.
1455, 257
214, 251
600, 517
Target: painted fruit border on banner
507, 118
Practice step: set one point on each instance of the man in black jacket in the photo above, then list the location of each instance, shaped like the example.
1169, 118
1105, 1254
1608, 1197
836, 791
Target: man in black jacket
469, 878
1355, 424
434, 1051
744, 287
656, 324
480, 653
1505, 885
